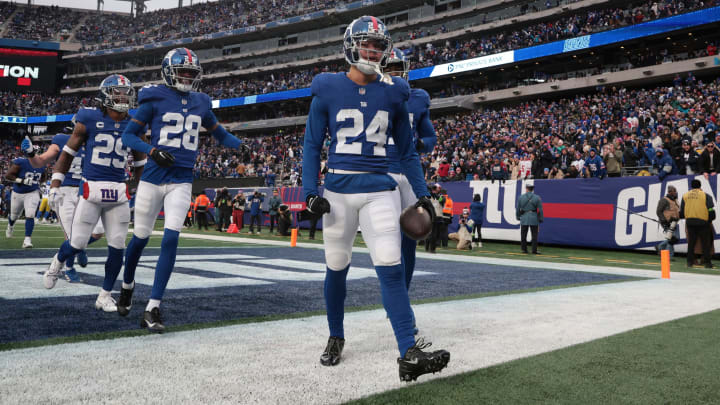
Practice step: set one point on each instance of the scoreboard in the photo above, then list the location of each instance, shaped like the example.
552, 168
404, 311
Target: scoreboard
26, 70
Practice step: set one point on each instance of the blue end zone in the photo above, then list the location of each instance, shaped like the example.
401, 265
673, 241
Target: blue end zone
38, 316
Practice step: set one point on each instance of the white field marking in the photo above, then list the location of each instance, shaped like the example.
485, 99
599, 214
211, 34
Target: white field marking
229, 365
19, 278
624, 271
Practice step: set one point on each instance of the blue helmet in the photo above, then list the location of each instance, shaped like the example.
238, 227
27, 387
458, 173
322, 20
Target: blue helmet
117, 93
362, 30
398, 63
181, 70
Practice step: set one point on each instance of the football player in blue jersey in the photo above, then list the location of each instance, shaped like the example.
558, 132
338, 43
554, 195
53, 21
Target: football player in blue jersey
424, 142
104, 192
68, 195
360, 109
26, 181
174, 111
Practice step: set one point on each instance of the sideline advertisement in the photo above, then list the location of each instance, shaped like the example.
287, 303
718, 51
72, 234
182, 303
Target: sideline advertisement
614, 213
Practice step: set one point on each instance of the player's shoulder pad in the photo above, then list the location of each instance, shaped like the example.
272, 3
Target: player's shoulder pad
152, 92
323, 83
19, 161
421, 94
60, 139
202, 98
88, 114
398, 86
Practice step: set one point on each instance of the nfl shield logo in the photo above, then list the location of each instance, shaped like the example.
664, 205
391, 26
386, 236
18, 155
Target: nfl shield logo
362, 91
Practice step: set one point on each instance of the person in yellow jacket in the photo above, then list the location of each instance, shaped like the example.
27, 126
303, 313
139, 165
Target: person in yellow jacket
698, 210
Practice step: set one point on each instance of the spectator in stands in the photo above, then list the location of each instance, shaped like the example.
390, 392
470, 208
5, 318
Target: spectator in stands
613, 161
594, 166
687, 159
664, 164
710, 160
443, 170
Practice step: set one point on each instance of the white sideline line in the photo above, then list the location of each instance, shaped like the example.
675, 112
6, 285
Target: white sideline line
277, 362
454, 258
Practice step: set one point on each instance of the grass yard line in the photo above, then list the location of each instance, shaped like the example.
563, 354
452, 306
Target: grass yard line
478, 332
593, 372
579, 258
268, 318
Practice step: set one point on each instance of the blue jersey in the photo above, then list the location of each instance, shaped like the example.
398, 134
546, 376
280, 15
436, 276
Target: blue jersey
175, 125
359, 120
27, 171
74, 174
595, 166
421, 126
106, 156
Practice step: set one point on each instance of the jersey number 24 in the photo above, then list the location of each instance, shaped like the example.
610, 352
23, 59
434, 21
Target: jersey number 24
375, 132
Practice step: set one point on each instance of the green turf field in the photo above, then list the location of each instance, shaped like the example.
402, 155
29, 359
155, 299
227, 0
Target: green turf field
671, 363
50, 236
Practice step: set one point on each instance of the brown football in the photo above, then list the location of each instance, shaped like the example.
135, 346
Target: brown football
415, 223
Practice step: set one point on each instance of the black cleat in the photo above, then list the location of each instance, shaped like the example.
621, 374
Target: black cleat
333, 350
417, 362
125, 301
152, 321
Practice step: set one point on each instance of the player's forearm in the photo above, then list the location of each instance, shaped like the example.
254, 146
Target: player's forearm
45, 158
63, 164
131, 138
427, 134
226, 138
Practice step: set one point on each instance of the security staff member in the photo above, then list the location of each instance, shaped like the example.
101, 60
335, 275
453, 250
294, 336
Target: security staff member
698, 210
447, 216
530, 213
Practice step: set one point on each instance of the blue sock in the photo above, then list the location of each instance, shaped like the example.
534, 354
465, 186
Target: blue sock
70, 262
113, 264
47, 214
397, 304
66, 251
407, 250
92, 240
335, 291
165, 263
29, 225
132, 257
11, 221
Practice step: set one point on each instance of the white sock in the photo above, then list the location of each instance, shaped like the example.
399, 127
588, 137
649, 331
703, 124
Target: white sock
128, 286
104, 293
152, 304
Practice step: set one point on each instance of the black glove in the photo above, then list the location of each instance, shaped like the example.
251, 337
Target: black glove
162, 158
419, 145
318, 205
427, 205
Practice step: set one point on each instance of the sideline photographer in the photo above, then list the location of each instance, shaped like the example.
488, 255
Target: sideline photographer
668, 212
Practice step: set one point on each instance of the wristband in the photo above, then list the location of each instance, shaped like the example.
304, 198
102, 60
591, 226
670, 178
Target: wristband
139, 163
58, 176
69, 150
18, 180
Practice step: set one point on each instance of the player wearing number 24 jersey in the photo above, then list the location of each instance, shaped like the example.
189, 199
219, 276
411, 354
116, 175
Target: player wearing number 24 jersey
360, 109
175, 111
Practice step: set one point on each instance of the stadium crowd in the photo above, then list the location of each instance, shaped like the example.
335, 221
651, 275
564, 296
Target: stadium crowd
42, 23
625, 129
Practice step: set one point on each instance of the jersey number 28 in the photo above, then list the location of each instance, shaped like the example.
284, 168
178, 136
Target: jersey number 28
191, 126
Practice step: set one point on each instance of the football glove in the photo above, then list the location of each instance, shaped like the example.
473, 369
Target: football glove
427, 205
318, 205
27, 147
28, 181
162, 158
54, 198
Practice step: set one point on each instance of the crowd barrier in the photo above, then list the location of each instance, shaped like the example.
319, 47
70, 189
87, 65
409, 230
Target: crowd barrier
614, 213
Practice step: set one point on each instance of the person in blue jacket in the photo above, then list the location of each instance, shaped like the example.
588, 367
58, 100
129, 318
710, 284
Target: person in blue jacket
255, 211
664, 163
594, 166
477, 213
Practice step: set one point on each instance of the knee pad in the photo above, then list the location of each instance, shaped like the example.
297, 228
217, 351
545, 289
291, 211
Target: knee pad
337, 261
